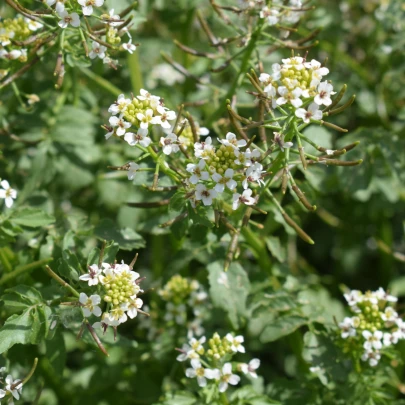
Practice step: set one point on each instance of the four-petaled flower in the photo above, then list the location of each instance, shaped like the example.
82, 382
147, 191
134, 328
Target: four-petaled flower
244, 198
236, 343
133, 167
201, 373
129, 46
313, 113
87, 5
225, 180
204, 194
133, 306
93, 275
120, 124
120, 105
90, 304
97, 51
140, 137
169, 144
227, 377
8, 193
231, 140
14, 387
66, 19
325, 90
373, 340
250, 368
197, 171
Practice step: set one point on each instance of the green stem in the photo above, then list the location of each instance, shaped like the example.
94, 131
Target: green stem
135, 72
4, 261
24, 269
62, 282
105, 84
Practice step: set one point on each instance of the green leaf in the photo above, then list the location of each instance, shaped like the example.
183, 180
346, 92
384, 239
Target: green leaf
231, 292
126, 238
181, 398
20, 297
274, 245
282, 327
31, 217
110, 252
199, 216
178, 202
31, 327
69, 266
56, 352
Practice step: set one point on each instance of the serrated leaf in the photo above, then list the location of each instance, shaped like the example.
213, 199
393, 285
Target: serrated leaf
21, 297
282, 326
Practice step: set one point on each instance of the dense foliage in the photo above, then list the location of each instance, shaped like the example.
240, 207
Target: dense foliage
202, 202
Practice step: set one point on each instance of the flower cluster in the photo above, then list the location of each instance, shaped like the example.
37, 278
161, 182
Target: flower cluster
183, 297
141, 112
297, 83
212, 364
12, 32
12, 388
118, 287
7, 193
278, 11
374, 326
224, 168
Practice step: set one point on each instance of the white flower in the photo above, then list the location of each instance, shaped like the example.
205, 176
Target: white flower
165, 116
120, 123
146, 118
66, 19
236, 343
254, 175
60, 6
373, 340
347, 328
13, 386
12, 55
33, 25
197, 344
93, 276
113, 17
225, 180
5, 37
186, 352
384, 296
118, 314
325, 90
90, 304
276, 67
203, 149
8, 193
289, 96
317, 71
87, 5
140, 137
145, 95
97, 51
392, 338
197, 173
270, 14
296, 61
244, 198
201, 373
169, 144
353, 297
204, 194
389, 315
129, 46
133, 306
227, 377
2, 393
231, 140
120, 105
133, 167
313, 112
372, 357
250, 368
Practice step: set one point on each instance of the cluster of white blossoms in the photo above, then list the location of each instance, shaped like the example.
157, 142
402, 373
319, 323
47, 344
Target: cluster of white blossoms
16, 29
212, 365
278, 11
220, 170
11, 389
7, 193
141, 113
375, 325
117, 286
186, 303
297, 85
